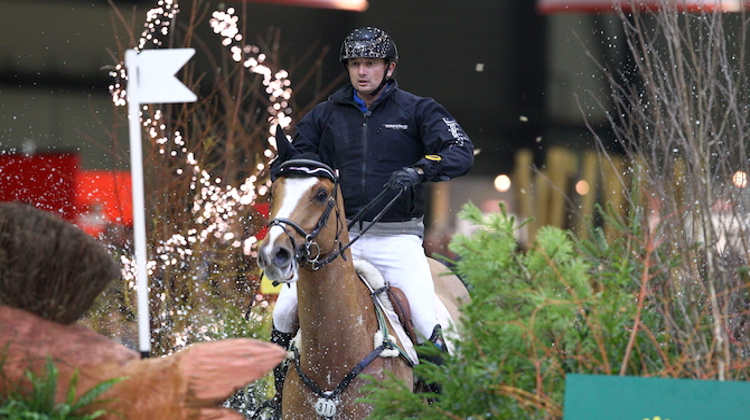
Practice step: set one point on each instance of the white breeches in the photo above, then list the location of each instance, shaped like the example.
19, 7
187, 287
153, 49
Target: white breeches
403, 264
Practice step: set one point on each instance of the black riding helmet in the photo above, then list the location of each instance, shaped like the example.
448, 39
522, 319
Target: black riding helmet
369, 42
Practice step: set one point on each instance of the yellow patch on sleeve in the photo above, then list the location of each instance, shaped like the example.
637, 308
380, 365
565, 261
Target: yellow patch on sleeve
434, 158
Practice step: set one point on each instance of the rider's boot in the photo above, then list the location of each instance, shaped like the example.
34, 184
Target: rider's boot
435, 355
279, 372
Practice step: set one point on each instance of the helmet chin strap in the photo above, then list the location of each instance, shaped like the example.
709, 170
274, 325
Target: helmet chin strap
375, 92
385, 80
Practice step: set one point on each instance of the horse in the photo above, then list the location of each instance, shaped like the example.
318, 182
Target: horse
307, 243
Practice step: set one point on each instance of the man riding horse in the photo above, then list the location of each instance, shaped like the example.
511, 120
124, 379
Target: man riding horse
378, 136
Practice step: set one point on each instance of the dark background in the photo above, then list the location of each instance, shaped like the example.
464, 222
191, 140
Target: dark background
53, 51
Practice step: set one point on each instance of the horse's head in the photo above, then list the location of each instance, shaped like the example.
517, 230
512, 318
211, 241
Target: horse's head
304, 223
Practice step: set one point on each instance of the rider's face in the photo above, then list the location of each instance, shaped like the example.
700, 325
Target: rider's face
366, 74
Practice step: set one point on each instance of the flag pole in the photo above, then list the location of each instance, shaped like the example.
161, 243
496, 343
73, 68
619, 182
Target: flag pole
151, 79
139, 217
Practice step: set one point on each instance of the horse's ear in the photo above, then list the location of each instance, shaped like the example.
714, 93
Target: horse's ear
284, 146
285, 151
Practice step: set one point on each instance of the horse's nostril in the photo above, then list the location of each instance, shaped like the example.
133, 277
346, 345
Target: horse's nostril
282, 257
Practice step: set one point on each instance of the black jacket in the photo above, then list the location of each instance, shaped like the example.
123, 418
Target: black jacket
398, 130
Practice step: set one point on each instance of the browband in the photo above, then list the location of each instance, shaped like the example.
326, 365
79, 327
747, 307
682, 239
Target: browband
307, 167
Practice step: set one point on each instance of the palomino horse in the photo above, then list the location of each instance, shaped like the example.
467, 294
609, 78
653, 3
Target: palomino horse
307, 243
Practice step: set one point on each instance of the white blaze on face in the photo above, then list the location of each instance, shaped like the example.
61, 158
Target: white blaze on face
294, 190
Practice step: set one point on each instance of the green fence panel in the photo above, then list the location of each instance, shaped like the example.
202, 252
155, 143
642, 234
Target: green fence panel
596, 397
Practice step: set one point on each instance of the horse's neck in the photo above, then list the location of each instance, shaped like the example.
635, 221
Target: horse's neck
335, 313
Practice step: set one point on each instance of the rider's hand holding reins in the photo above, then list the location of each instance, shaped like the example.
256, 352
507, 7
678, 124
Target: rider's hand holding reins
404, 178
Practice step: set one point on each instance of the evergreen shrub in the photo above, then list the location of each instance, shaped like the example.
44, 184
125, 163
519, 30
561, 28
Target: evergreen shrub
564, 305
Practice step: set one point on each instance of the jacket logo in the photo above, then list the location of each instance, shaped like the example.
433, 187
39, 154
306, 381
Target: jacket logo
456, 131
396, 126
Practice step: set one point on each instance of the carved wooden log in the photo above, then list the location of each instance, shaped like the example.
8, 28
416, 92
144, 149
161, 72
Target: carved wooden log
188, 385
48, 266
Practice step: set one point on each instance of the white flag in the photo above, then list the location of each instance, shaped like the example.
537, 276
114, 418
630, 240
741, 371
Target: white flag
154, 72
151, 80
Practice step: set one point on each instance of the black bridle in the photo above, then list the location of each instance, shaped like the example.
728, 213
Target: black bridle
304, 253
309, 251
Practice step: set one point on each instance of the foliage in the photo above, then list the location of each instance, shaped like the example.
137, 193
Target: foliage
40, 404
205, 172
565, 305
206, 178
680, 114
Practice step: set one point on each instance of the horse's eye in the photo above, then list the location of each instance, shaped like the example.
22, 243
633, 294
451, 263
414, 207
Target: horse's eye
321, 196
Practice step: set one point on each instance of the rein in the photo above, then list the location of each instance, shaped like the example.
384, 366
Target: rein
304, 253
356, 219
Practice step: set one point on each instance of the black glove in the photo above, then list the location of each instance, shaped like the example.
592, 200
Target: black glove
404, 178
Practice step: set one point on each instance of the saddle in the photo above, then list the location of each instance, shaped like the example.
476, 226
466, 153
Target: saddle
403, 311
398, 301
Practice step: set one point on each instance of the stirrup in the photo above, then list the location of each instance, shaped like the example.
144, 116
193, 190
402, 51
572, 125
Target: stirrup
437, 341
437, 338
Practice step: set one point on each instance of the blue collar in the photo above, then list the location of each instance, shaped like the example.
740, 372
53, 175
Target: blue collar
360, 102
